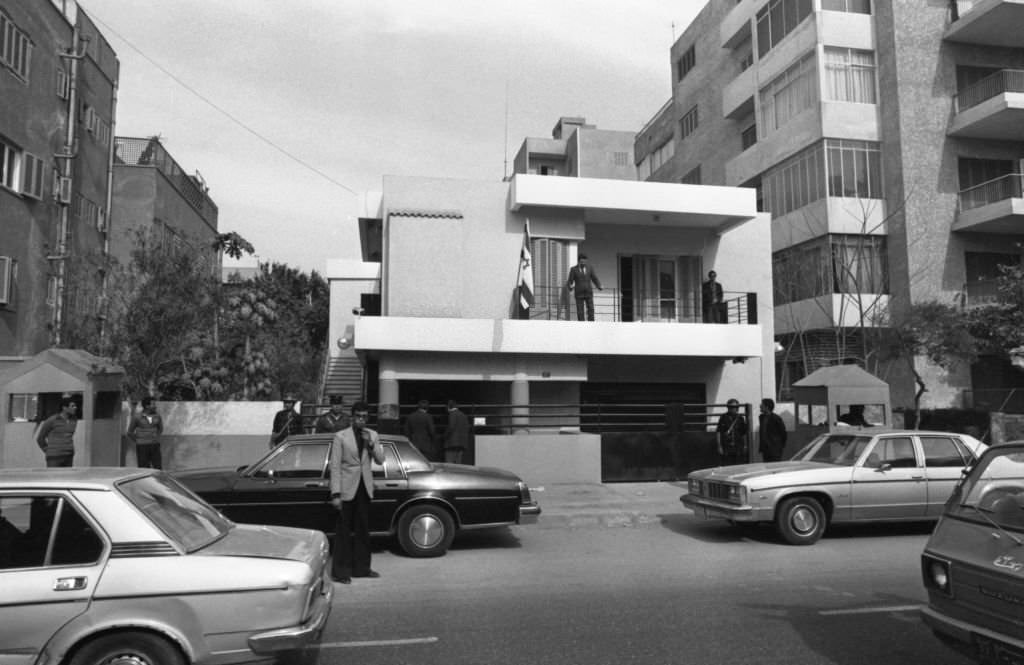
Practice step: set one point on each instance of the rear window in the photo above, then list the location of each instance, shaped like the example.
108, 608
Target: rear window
181, 515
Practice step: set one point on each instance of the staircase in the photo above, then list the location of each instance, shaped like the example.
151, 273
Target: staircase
343, 375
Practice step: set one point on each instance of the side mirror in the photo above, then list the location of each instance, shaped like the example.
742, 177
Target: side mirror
885, 467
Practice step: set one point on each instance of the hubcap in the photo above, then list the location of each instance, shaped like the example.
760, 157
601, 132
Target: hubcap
426, 531
125, 659
804, 520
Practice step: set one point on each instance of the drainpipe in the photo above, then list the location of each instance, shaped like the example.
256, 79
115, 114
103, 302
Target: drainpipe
109, 199
67, 171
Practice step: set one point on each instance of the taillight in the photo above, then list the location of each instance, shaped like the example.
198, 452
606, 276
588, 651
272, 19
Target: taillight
524, 492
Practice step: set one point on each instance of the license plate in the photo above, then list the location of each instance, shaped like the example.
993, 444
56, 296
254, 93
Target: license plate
991, 652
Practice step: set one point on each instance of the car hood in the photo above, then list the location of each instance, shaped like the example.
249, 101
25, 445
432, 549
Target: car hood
475, 471
208, 480
271, 542
762, 470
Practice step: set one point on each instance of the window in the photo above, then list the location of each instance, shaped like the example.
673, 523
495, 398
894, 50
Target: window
692, 177
748, 136
859, 264
657, 159
32, 184
854, 169
10, 165
942, 451
898, 452
296, 461
63, 83
788, 95
550, 260
28, 538
777, 19
850, 75
851, 6
97, 126
23, 408
688, 123
686, 62
795, 182
660, 288
15, 47
848, 264
620, 158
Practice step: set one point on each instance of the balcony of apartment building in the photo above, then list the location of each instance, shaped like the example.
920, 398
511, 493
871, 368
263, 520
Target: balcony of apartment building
986, 22
991, 108
150, 153
993, 206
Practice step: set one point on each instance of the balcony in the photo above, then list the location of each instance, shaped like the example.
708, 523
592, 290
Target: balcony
986, 22
555, 303
992, 108
736, 25
738, 95
996, 206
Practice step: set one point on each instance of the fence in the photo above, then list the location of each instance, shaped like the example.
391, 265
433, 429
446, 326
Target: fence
149, 152
1009, 186
1005, 80
558, 303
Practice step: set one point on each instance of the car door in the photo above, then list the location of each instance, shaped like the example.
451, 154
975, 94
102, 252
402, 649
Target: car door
51, 558
288, 488
889, 482
945, 457
390, 488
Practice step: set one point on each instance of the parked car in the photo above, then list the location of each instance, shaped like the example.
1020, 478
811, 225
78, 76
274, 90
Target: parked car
112, 565
973, 564
862, 475
421, 502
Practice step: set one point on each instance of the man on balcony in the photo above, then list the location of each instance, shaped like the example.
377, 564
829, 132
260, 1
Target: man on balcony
711, 300
582, 281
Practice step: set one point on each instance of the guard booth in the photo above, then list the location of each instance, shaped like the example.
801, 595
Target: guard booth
828, 394
31, 391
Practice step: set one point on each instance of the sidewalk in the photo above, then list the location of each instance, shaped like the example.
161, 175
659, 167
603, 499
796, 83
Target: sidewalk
606, 504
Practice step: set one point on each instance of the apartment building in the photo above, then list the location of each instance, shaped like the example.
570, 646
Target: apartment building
885, 139
58, 77
578, 150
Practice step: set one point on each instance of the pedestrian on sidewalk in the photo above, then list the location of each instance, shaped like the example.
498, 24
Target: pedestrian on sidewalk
145, 430
732, 435
456, 435
56, 435
771, 432
286, 422
334, 420
419, 428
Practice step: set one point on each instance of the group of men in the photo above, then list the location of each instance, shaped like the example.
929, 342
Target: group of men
56, 435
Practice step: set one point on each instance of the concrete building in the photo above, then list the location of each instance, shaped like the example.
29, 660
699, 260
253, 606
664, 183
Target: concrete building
885, 139
434, 314
578, 150
58, 81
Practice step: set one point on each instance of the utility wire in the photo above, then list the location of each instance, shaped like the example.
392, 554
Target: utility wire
222, 111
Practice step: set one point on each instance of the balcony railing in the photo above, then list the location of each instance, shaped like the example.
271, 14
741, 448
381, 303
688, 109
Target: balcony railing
558, 303
1005, 80
1010, 186
150, 152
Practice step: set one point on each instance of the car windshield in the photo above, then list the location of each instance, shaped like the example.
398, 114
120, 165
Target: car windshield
181, 515
994, 487
841, 449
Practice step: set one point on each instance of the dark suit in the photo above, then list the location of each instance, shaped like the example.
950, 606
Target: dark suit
772, 436
419, 427
711, 301
352, 481
582, 280
456, 437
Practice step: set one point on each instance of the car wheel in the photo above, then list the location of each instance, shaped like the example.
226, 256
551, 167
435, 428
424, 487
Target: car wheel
128, 648
425, 530
800, 520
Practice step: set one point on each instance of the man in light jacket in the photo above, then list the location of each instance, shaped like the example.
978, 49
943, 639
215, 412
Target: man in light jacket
352, 450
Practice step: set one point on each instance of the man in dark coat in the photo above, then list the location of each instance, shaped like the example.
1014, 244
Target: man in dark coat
334, 420
419, 428
582, 280
772, 436
286, 422
732, 435
456, 436
711, 300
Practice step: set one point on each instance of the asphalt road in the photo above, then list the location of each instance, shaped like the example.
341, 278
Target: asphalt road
676, 591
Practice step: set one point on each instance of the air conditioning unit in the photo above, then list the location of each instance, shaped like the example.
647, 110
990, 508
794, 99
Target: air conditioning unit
101, 220
6, 280
63, 190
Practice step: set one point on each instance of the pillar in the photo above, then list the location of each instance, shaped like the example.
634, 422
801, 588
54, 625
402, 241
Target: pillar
520, 402
387, 407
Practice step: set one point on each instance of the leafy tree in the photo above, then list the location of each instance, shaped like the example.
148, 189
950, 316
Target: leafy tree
999, 327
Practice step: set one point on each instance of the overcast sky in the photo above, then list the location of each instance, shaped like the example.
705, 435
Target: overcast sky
362, 89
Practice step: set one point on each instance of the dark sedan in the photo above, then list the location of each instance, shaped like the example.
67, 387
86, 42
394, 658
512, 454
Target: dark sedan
421, 502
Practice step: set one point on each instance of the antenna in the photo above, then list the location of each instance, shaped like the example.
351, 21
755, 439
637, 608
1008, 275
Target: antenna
504, 175
673, 32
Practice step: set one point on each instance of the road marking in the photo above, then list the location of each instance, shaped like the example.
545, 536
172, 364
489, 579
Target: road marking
872, 610
378, 643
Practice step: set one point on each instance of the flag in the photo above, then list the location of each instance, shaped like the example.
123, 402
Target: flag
526, 271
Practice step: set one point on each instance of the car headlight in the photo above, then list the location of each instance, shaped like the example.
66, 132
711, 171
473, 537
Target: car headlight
936, 574
694, 487
738, 494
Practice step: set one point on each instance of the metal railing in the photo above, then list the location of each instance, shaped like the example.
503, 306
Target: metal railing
150, 152
559, 304
1010, 186
1005, 80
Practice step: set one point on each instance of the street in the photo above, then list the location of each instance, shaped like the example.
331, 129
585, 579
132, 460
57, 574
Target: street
679, 590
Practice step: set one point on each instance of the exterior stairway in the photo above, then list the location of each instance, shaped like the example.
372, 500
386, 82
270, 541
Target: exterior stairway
343, 375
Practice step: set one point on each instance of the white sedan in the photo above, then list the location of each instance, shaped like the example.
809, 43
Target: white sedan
857, 476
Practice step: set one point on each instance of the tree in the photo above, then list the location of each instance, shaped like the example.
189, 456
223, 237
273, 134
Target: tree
999, 327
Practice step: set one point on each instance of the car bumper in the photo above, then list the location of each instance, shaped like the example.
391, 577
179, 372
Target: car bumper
529, 512
970, 639
711, 509
297, 637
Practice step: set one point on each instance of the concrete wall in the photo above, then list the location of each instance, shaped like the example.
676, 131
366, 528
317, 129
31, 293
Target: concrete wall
543, 458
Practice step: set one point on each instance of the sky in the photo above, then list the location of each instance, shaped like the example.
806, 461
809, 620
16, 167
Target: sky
290, 110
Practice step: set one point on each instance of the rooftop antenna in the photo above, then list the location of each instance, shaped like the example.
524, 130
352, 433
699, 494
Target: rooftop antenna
504, 175
673, 32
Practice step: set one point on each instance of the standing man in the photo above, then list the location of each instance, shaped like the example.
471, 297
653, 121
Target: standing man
772, 434
351, 492
582, 279
419, 428
56, 435
334, 420
456, 436
732, 435
145, 430
711, 300
286, 422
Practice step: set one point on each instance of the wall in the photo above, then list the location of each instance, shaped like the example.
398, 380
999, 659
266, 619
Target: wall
543, 458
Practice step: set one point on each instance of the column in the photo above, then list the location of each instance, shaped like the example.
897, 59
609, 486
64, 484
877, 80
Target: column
520, 396
387, 407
